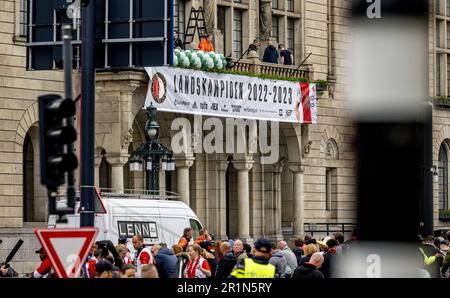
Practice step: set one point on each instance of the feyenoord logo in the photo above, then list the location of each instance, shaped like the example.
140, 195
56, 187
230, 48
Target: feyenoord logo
159, 88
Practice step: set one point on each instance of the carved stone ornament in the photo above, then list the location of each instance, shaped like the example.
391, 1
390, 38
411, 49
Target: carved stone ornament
265, 18
307, 148
127, 139
209, 9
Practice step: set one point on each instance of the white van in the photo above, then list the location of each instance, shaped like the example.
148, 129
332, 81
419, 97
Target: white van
158, 218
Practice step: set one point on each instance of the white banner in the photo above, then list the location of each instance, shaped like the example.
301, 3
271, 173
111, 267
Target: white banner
226, 95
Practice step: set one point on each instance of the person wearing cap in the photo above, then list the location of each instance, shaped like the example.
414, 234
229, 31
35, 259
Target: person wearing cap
258, 266
103, 269
142, 255
123, 240
45, 269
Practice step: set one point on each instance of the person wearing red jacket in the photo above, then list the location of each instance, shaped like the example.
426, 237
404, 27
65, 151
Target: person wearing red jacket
142, 255
45, 269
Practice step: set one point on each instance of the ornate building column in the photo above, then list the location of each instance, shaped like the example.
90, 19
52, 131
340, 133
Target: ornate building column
98, 161
183, 163
299, 198
221, 215
243, 198
117, 162
277, 170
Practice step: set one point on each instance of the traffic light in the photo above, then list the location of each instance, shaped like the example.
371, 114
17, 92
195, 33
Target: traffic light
54, 135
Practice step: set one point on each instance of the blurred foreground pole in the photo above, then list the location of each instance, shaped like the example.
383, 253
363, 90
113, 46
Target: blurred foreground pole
87, 114
393, 119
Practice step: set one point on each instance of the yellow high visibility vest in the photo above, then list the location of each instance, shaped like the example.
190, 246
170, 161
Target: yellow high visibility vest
254, 270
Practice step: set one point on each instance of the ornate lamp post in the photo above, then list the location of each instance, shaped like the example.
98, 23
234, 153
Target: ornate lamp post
148, 156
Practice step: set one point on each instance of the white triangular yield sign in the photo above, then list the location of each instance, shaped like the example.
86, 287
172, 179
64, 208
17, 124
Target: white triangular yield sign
67, 248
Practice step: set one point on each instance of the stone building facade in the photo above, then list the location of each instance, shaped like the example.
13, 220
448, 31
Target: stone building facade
314, 180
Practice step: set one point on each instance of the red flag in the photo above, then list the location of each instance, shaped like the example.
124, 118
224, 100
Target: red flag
306, 103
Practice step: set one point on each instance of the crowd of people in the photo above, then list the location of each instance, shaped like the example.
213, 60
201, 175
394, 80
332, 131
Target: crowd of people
204, 257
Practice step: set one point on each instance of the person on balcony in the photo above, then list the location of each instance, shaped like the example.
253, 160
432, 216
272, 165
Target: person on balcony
177, 43
206, 44
254, 46
286, 57
271, 54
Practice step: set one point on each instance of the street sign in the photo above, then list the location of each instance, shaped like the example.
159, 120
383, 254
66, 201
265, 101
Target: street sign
99, 208
67, 248
98, 204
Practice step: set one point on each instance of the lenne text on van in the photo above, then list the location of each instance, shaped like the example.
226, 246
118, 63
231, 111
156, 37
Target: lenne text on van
131, 228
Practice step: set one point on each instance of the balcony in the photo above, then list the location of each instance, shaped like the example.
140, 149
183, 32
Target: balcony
253, 65
441, 102
444, 214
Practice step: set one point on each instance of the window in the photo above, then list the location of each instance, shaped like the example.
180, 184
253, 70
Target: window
23, 12
438, 34
443, 178
328, 190
448, 34
179, 17
237, 33
290, 5
291, 36
221, 25
331, 192
437, 7
448, 74
275, 4
276, 28
196, 227
438, 74
448, 8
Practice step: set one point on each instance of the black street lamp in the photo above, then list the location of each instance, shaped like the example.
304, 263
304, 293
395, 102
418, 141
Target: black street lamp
147, 157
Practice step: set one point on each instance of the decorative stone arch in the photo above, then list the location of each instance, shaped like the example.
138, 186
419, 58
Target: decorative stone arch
329, 144
29, 118
293, 137
442, 137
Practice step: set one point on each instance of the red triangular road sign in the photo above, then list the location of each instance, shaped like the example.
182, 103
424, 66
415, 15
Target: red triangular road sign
67, 248
98, 204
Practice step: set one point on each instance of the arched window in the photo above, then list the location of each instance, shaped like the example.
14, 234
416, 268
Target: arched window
443, 178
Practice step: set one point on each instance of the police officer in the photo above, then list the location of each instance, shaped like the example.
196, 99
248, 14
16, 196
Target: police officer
258, 266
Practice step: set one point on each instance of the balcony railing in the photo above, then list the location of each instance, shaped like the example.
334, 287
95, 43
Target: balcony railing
444, 214
254, 65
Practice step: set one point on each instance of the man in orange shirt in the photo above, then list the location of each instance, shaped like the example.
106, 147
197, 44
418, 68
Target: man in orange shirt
206, 44
187, 236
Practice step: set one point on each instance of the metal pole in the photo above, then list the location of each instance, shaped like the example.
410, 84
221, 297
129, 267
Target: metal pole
87, 115
67, 54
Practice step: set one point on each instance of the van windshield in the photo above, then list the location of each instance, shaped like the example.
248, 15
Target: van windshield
195, 225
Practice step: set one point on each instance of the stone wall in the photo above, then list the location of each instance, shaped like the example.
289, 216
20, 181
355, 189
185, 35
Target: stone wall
19, 90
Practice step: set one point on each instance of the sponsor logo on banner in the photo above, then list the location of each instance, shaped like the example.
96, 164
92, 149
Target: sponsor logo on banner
232, 96
159, 88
